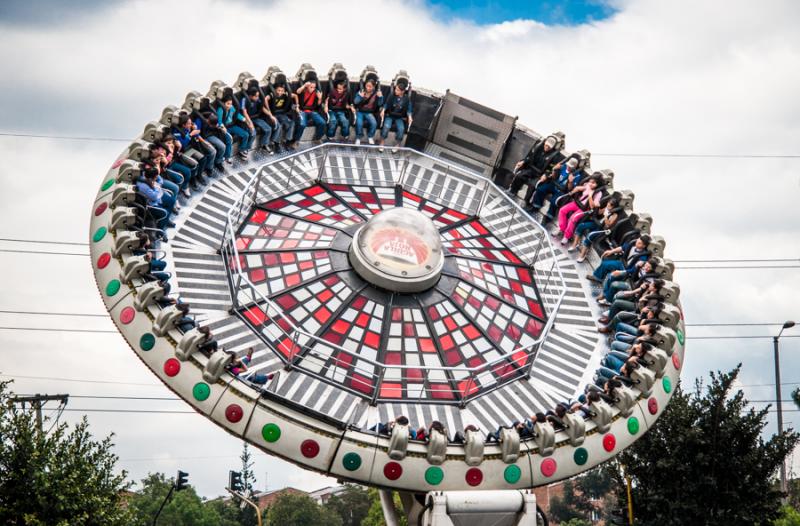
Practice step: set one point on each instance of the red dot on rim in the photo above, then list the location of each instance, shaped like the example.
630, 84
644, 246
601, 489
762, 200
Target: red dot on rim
127, 315
676, 361
652, 406
609, 442
548, 467
474, 476
392, 470
100, 209
103, 260
234, 413
172, 367
309, 448
118, 162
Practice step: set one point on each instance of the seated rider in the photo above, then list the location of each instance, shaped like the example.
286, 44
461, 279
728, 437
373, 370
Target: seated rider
367, 101
236, 124
535, 165
161, 202
310, 102
279, 108
252, 107
561, 180
396, 111
336, 105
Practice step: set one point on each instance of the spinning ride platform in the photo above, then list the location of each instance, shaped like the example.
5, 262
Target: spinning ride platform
376, 284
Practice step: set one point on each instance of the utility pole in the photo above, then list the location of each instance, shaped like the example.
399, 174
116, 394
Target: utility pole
38, 401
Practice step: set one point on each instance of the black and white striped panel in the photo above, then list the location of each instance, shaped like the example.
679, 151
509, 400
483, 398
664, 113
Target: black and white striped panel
362, 167
438, 183
201, 280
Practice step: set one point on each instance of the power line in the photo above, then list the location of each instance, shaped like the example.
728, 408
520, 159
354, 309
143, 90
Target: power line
40, 313
107, 397
62, 137
159, 411
784, 260
43, 242
743, 337
730, 324
14, 251
59, 329
736, 267
82, 380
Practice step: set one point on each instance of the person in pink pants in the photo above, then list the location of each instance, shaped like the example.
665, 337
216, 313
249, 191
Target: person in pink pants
570, 214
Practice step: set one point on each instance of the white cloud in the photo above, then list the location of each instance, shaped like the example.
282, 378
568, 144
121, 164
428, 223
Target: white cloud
676, 77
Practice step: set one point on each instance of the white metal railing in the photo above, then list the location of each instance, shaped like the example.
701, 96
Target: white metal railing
309, 347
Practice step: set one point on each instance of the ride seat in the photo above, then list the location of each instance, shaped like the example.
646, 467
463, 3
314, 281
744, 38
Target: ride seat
148, 294
657, 246
601, 415
670, 315
129, 171
398, 442
123, 195
509, 445
665, 339
123, 217
189, 344
657, 359
643, 379
126, 241
166, 320
473, 448
576, 428
626, 400
167, 114
133, 267
663, 267
545, 437
671, 291
216, 366
437, 448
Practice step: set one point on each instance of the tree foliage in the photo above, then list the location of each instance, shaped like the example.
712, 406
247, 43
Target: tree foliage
61, 477
246, 515
300, 510
352, 504
579, 496
705, 461
789, 517
375, 514
185, 508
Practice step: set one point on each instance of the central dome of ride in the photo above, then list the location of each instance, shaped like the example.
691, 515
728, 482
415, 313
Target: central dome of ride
399, 250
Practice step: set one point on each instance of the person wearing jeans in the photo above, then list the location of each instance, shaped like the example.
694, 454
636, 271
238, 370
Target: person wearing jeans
336, 105
396, 111
236, 124
310, 101
366, 102
252, 107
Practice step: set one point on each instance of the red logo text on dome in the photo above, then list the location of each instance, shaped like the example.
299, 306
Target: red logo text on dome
399, 245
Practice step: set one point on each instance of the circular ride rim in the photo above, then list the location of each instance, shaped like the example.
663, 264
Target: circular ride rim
327, 445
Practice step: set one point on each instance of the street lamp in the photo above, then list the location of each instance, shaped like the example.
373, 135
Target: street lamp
786, 325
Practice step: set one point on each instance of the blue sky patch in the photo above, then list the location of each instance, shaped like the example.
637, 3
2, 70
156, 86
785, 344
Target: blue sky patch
550, 12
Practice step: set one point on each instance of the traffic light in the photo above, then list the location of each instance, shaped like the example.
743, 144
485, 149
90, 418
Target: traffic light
235, 481
182, 481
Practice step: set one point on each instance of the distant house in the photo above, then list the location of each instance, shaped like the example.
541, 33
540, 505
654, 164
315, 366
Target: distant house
266, 498
321, 496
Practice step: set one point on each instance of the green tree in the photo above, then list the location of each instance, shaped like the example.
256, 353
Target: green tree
580, 495
705, 462
300, 510
796, 397
375, 514
576, 522
352, 505
246, 515
789, 517
61, 477
185, 508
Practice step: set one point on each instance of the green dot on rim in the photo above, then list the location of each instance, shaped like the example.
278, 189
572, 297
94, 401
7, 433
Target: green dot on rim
633, 425
351, 461
112, 287
434, 475
271, 432
680, 337
512, 474
107, 184
147, 341
581, 456
99, 234
667, 383
201, 391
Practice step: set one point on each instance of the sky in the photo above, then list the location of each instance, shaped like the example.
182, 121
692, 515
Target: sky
628, 77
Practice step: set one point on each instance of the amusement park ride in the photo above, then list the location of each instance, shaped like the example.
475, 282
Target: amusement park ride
374, 284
